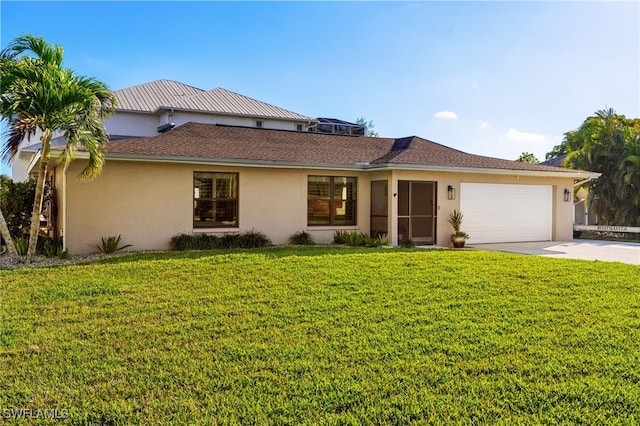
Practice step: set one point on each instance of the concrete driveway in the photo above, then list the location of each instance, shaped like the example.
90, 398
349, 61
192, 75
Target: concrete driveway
607, 251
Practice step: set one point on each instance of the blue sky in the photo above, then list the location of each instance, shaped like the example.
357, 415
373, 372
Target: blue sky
490, 78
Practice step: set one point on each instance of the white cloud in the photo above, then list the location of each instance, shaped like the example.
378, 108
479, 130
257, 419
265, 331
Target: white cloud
483, 124
446, 115
475, 86
518, 136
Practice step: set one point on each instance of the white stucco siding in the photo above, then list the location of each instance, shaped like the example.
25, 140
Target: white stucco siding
132, 124
182, 117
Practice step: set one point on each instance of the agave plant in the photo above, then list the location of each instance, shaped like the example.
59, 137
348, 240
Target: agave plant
111, 245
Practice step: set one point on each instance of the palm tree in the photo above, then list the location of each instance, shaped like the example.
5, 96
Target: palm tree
610, 144
41, 97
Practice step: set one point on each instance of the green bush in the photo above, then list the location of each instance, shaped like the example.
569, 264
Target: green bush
359, 239
250, 239
408, 243
111, 245
50, 247
16, 202
253, 239
62, 254
22, 245
340, 237
183, 242
382, 240
301, 238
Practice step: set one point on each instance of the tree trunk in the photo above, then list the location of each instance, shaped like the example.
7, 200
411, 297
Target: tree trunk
37, 202
4, 231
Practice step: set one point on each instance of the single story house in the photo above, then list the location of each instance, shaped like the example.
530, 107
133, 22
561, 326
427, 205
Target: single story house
217, 178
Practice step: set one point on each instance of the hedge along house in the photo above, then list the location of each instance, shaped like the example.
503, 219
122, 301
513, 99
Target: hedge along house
217, 179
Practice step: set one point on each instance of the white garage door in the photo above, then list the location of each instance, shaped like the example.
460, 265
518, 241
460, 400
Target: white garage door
497, 213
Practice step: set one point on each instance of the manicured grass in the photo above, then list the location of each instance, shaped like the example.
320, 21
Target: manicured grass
324, 336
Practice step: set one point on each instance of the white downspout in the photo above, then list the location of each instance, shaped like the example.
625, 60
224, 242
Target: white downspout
64, 208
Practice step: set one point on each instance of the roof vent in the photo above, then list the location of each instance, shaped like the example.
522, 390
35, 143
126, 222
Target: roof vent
165, 127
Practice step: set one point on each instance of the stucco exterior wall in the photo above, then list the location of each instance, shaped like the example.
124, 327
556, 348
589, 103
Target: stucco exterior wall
139, 124
19, 166
132, 124
182, 117
148, 203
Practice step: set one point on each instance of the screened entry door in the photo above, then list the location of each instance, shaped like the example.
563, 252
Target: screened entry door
417, 211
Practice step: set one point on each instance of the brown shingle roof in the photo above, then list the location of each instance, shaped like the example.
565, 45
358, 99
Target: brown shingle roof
216, 142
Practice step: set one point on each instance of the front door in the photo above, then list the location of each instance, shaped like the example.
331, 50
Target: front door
416, 211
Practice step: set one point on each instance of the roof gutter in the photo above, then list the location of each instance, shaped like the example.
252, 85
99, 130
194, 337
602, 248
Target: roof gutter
493, 171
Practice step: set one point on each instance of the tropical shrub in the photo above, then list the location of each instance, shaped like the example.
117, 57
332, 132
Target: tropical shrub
408, 243
252, 239
340, 237
111, 245
301, 238
359, 239
22, 245
249, 239
49, 247
16, 203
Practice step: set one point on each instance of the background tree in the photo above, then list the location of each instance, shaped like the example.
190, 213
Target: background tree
16, 203
369, 126
527, 157
40, 96
608, 143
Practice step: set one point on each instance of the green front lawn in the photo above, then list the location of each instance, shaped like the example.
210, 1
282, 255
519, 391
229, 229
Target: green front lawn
323, 336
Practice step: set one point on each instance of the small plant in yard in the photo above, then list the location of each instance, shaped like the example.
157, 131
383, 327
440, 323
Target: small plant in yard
359, 239
22, 245
407, 243
62, 254
382, 240
339, 237
301, 238
353, 238
50, 247
455, 220
253, 239
111, 245
249, 239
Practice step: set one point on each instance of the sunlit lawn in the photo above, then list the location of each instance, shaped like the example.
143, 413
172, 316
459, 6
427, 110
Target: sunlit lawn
324, 336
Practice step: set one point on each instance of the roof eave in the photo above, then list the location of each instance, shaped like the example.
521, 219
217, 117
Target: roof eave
494, 171
161, 109
575, 174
